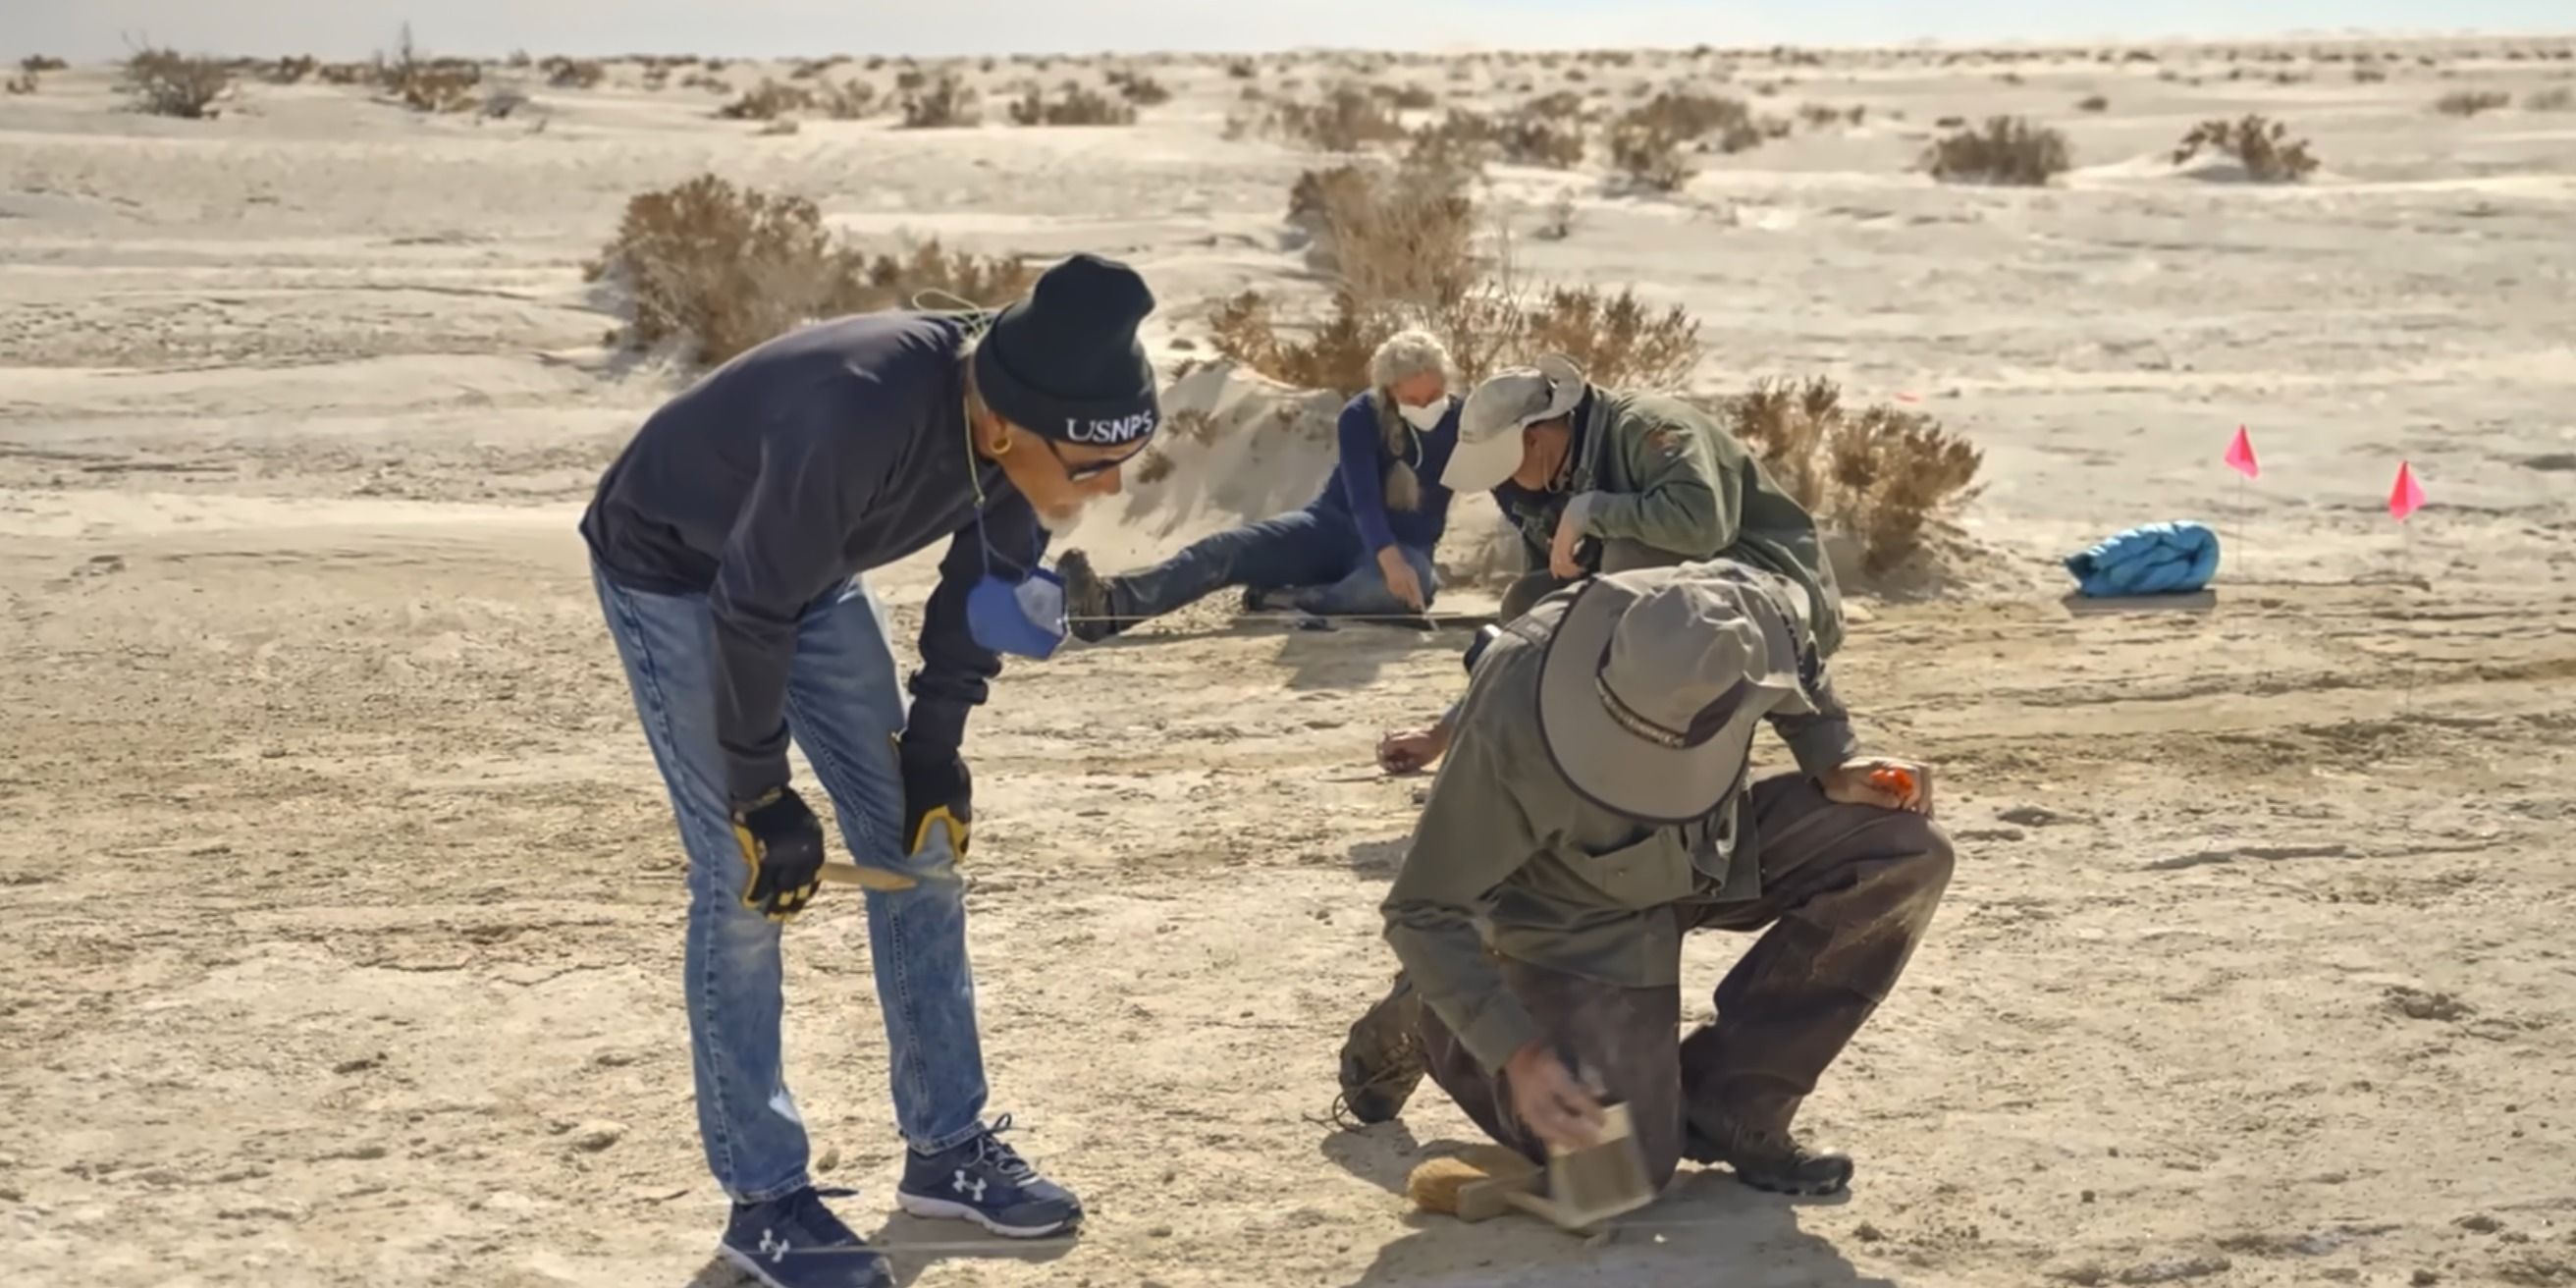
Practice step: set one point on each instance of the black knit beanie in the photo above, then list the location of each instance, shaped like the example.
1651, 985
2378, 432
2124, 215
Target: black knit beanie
1064, 363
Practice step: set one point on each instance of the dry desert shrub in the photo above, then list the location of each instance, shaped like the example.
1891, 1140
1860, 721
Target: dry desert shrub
1139, 89
1401, 251
725, 268
2010, 150
2263, 146
1412, 98
1154, 468
1468, 140
2096, 103
1878, 474
573, 73
767, 101
39, 64
2471, 102
22, 83
1650, 143
165, 82
944, 104
1617, 339
783, 125
847, 101
2558, 99
291, 70
1347, 119
1078, 106
1242, 69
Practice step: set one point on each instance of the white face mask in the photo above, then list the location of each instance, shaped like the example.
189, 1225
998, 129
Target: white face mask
1426, 418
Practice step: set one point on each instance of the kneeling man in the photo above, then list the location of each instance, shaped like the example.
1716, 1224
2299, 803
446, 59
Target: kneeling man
1593, 810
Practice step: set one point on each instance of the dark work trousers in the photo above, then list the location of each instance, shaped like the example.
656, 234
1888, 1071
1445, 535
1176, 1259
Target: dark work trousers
1847, 892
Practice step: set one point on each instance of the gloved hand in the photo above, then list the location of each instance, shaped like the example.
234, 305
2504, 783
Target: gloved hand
782, 844
937, 792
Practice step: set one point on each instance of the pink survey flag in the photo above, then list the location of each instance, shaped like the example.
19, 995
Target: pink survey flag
2240, 456
2406, 496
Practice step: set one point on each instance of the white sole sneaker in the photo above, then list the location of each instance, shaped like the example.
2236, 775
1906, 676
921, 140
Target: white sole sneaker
948, 1210
750, 1265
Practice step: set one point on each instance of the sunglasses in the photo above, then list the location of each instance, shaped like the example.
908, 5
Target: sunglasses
1087, 470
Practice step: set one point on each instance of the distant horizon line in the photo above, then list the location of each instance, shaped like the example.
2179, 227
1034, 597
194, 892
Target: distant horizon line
2309, 36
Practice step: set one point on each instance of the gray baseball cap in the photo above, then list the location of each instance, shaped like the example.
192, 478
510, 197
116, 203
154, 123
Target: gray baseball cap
1489, 425
1652, 684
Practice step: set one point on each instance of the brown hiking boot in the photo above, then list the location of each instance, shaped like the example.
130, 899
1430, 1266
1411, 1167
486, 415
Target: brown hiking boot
1086, 598
1382, 1057
1767, 1158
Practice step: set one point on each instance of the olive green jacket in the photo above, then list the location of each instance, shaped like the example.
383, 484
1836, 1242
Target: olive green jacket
1658, 470
1557, 880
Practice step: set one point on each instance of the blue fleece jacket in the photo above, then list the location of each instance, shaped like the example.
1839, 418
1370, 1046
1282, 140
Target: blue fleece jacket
1358, 486
772, 481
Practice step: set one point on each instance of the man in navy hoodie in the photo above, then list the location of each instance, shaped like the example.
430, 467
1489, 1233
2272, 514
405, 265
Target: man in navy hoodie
727, 543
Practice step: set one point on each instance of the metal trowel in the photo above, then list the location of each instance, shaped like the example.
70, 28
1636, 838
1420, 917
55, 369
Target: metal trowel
1584, 1187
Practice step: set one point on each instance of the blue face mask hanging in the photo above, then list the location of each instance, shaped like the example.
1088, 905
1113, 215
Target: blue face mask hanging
1024, 618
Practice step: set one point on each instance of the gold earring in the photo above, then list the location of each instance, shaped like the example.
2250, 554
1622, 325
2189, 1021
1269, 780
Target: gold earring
1001, 446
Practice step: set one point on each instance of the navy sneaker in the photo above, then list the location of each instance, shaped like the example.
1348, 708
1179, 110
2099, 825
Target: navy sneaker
988, 1183
796, 1242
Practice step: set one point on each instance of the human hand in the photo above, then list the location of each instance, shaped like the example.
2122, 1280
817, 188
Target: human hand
1400, 581
1560, 553
1410, 751
1883, 782
937, 792
1550, 1100
782, 846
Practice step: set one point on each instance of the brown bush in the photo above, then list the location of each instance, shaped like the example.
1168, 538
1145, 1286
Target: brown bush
1414, 98
1400, 237
848, 101
1649, 155
444, 87
768, 101
2261, 145
1344, 121
1242, 69
1618, 339
1154, 468
2096, 103
39, 64
1522, 138
1078, 106
290, 71
165, 82
1820, 116
2368, 75
573, 73
2010, 150
726, 268
2558, 99
2471, 102
1878, 475
1139, 89
1560, 108
22, 83
945, 104
1950, 122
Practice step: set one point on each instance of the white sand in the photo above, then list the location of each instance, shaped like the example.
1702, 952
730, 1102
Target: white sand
339, 888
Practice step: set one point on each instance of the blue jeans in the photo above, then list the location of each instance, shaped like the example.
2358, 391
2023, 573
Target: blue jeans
1318, 553
844, 704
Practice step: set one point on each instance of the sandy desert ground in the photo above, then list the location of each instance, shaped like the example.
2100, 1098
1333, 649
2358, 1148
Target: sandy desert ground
342, 905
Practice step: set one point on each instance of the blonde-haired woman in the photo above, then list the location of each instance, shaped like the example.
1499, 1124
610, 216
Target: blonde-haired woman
1361, 548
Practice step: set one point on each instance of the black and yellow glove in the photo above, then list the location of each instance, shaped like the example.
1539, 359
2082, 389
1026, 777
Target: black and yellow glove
937, 792
782, 845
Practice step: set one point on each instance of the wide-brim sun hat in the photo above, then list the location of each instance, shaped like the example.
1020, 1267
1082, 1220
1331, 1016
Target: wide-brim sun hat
1490, 423
1652, 682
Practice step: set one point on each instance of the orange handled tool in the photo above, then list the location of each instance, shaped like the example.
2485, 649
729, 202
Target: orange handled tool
1894, 780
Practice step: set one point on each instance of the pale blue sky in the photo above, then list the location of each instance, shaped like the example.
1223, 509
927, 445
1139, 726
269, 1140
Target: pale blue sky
89, 29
